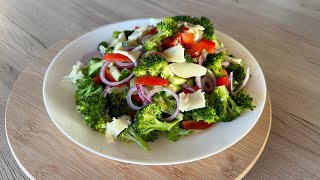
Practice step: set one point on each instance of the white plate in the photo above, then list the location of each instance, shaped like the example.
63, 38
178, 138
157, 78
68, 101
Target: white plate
60, 104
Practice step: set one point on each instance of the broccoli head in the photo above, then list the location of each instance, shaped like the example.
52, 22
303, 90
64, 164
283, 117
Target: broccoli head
147, 120
176, 133
152, 64
203, 21
244, 100
239, 74
167, 104
117, 104
91, 104
213, 62
165, 28
206, 114
226, 108
188, 58
130, 135
105, 45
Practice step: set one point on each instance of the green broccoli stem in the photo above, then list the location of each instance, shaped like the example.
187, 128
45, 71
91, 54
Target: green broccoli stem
137, 139
234, 106
164, 126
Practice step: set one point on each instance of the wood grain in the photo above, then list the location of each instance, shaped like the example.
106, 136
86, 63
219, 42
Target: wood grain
282, 35
46, 154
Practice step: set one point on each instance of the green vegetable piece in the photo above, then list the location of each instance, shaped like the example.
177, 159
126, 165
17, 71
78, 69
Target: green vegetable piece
175, 88
244, 100
203, 21
176, 133
213, 62
152, 64
176, 80
165, 28
124, 73
94, 66
115, 34
239, 74
130, 135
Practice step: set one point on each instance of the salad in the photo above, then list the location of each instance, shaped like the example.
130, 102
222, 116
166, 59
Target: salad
169, 79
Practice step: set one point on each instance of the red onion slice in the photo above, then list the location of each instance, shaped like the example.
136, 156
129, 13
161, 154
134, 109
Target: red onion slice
200, 60
244, 82
103, 78
105, 91
124, 65
129, 100
214, 78
84, 60
219, 50
198, 82
175, 114
141, 92
188, 88
207, 84
233, 60
138, 48
230, 83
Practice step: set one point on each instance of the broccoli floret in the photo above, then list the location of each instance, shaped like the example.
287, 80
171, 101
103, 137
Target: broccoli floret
147, 120
130, 135
117, 104
91, 104
213, 62
188, 58
108, 49
239, 74
226, 108
176, 133
206, 114
203, 21
165, 29
167, 104
244, 100
152, 64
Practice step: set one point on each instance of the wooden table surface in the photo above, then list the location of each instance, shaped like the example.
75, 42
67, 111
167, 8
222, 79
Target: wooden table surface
284, 36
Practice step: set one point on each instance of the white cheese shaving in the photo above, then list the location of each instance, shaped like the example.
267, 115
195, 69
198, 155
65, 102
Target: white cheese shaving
140, 32
192, 101
175, 54
75, 74
197, 31
187, 70
114, 128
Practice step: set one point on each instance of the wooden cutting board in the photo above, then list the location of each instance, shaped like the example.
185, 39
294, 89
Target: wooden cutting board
43, 152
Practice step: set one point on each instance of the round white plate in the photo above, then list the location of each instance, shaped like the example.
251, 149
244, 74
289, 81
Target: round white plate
60, 104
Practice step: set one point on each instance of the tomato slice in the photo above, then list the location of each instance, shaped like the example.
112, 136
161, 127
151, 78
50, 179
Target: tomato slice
166, 43
151, 81
184, 28
97, 80
187, 39
190, 124
153, 31
196, 49
116, 57
137, 98
109, 76
222, 81
209, 45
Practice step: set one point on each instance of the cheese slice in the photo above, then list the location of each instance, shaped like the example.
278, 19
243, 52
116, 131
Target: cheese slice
191, 101
114, 128
121, 38
187, 70
140, 32
175, 54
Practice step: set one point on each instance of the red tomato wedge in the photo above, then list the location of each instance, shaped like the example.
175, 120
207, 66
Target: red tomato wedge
222, 81
190, 124
115, 57
187, 39
151, 81
109, 76
137, 98
209, 45
153, 31
97, 80
196, 49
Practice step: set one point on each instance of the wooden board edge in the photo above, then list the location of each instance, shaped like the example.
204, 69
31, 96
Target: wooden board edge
263, 145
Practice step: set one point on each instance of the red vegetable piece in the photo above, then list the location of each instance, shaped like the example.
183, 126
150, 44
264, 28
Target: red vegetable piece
190, 124
151, 81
